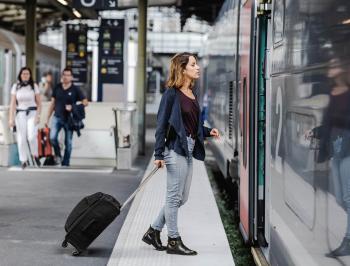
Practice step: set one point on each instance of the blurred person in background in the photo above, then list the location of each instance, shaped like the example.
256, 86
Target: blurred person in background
46, 87
25, 109
64, 96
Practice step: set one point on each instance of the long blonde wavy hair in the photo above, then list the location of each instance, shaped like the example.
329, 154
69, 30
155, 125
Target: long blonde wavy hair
177, 66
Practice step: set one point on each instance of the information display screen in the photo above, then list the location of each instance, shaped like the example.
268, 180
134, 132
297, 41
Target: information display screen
76, 51
111, 51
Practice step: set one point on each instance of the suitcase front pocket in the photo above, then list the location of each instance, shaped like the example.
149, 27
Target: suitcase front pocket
88, 225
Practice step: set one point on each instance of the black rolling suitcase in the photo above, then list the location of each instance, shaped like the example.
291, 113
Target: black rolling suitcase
92, 215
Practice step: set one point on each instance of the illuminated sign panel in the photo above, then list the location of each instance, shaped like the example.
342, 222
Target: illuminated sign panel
95, 4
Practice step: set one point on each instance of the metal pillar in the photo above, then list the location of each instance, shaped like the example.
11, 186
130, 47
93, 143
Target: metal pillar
30, 30
141, 75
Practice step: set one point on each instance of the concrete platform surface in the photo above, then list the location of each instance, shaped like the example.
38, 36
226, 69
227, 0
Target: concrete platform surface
35, 203
200, 226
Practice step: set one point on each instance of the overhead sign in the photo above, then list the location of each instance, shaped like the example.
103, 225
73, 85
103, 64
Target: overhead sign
134, 3
76, 51
111, 52
95, 4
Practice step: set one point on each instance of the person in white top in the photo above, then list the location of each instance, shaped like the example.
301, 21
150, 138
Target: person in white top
25, 109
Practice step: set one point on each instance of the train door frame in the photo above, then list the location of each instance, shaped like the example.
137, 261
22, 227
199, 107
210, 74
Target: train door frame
259, 84
252, 125
267, 66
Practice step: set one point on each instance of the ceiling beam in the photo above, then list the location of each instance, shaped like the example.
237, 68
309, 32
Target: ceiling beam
9, 2
64, 9
88, 13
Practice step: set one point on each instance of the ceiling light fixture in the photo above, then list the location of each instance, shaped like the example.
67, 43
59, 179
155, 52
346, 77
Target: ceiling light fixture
63, 2
346, 21
76, 13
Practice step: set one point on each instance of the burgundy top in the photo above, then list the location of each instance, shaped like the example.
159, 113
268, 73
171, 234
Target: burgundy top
190, 114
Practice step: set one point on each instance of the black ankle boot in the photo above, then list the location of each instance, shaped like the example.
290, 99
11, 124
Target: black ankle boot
36, 161
23, 165
342, 250
176, 246
152, 237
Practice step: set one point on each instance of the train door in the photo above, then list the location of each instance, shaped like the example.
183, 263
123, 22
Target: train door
253, 37
245, 25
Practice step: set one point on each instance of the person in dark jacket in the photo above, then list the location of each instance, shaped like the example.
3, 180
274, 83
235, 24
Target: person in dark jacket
179, 137
64, 97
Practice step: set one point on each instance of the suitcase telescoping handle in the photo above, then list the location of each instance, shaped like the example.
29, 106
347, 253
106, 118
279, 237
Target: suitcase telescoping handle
143, 183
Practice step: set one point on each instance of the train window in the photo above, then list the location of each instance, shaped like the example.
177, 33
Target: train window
245, 122
278, 21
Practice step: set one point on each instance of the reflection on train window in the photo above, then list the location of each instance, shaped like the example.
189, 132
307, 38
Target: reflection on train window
278, 21
245, 122
299, 167
298, 148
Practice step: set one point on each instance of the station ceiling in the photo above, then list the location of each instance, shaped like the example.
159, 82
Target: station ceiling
51, 12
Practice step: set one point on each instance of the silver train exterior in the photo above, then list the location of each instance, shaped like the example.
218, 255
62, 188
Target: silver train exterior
305, 63
12, 58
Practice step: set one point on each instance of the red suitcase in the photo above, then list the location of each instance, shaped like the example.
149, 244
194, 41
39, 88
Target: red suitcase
45, 148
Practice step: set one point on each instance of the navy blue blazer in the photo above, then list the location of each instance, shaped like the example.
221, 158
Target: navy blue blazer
169, 114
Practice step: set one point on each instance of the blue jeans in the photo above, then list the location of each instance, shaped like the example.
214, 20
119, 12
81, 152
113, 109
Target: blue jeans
179, 177
340, 167
56, 125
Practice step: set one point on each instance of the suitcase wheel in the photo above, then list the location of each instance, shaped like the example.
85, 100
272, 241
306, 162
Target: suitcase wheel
64, 244
76, 253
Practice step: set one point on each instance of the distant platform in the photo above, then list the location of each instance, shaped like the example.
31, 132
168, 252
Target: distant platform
62, 169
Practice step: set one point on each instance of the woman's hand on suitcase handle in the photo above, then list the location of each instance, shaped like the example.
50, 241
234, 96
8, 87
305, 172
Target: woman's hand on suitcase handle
47, 123
159, 163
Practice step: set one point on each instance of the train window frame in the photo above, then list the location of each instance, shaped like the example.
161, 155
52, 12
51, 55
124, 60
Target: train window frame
245, 122
281, 5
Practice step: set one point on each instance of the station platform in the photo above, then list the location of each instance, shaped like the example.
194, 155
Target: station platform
200, 226
35, 202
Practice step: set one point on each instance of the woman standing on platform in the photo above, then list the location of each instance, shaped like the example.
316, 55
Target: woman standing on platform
179, 137
25, 108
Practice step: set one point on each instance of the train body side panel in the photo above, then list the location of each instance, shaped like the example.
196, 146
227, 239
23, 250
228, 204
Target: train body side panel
310, 61
220, 87
244, 53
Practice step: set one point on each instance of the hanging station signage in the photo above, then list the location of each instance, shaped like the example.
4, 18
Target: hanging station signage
111, 51
76, 51
95, 4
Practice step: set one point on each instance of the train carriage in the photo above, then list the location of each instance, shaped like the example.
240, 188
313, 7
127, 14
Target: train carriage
12, 58
271, 72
